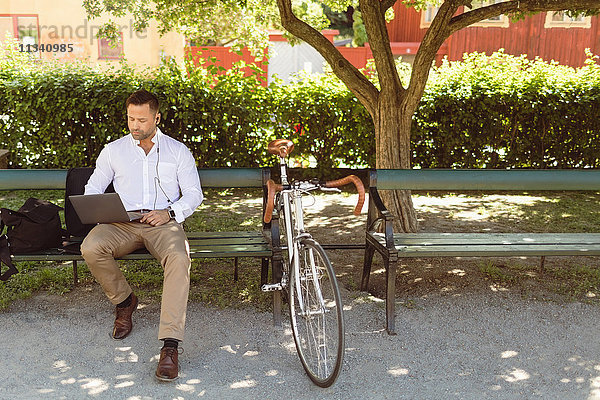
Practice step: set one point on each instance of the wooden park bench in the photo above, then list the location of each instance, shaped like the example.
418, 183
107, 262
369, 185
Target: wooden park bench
381, 238
255, 243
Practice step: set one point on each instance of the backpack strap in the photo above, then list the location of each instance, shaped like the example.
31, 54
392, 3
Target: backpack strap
5, 258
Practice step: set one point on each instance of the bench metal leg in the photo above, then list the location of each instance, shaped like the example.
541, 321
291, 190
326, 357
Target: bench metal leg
264, 271
364, 282
277, 320
542, 266
276, 274
75, 276
235, 269
390, 294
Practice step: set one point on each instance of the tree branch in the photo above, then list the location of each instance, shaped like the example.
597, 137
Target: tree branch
379, 41
385, 4
470, 17
360, 86
432, 41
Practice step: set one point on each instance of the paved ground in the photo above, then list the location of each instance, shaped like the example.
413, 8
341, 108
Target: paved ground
469, 346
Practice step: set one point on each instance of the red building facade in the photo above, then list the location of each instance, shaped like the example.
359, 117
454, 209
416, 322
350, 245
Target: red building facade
549, 36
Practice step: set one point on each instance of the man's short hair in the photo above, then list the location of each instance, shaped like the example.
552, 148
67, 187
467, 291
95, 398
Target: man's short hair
141, 97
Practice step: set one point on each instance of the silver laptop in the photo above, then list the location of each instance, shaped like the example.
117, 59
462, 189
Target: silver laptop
102, 208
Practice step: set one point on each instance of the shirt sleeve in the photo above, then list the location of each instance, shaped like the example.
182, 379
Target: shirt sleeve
103, 174
189, 185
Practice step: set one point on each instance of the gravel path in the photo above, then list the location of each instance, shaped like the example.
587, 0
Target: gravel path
469, 346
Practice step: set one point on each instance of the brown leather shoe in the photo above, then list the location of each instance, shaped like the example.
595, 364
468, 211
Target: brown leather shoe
168, 365
123, 323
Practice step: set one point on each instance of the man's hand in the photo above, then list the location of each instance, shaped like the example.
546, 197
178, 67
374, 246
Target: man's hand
156, 217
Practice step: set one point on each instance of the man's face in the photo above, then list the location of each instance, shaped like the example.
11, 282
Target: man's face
141, 121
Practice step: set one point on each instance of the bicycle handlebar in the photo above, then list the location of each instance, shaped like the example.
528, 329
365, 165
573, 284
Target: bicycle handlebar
359, 187
273, 188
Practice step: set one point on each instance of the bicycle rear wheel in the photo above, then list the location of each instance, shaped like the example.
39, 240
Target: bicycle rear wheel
316, 314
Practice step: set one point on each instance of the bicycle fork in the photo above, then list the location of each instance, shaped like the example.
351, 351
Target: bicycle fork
306, 274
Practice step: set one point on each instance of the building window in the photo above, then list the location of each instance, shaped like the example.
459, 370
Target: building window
500, 21
560, 19
109, 51
428, 15
23, 27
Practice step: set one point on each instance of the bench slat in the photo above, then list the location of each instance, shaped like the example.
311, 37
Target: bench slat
200, 235
225, 241
202, 245
461, 239
499, 250
488, 179
494, 244
46, 257
223, 251
215, 252
15, 179
209, 235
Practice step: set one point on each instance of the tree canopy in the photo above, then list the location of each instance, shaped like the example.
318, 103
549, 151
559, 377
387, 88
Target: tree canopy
236, 23
392, 103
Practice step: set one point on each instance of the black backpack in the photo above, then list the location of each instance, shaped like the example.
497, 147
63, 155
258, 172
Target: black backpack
33, 227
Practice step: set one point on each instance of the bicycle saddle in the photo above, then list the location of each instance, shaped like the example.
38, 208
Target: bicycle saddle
281, 147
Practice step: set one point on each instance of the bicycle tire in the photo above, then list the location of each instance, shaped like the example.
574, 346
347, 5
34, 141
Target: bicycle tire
318, 333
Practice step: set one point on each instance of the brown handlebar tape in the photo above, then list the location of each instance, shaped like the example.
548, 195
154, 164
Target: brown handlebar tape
359, 187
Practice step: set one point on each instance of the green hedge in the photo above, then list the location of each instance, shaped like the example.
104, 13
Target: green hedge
496, 112
60, 117
504, 111
325, 120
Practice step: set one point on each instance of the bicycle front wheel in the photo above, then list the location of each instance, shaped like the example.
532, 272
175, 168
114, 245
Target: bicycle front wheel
316, 314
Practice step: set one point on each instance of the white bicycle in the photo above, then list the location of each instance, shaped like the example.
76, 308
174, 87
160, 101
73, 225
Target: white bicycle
316, 309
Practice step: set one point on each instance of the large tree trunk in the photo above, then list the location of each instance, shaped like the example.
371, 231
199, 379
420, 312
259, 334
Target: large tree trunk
392, 133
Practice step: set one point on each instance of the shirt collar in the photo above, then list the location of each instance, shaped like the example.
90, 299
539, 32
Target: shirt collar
154, 138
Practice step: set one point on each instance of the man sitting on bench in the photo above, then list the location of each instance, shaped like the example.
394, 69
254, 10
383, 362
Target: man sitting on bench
156, 175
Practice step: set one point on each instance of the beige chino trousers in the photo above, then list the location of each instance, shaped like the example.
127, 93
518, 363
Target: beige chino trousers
167, 243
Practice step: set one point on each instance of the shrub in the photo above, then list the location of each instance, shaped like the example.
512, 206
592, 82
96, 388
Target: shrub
61, 116
497, 111
502, 111
325, 120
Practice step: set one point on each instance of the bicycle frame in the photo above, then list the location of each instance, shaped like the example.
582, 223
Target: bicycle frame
295, 232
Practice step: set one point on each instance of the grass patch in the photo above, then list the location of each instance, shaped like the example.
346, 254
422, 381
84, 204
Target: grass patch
36, 276
14, 199
576, 282
519, 211
211, 282
561, 212
505, 274
227, 210
579, 281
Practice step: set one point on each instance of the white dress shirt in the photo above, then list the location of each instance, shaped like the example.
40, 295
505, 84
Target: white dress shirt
167, 175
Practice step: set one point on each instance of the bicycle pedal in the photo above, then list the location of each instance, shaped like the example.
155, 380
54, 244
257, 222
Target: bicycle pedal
271, 287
